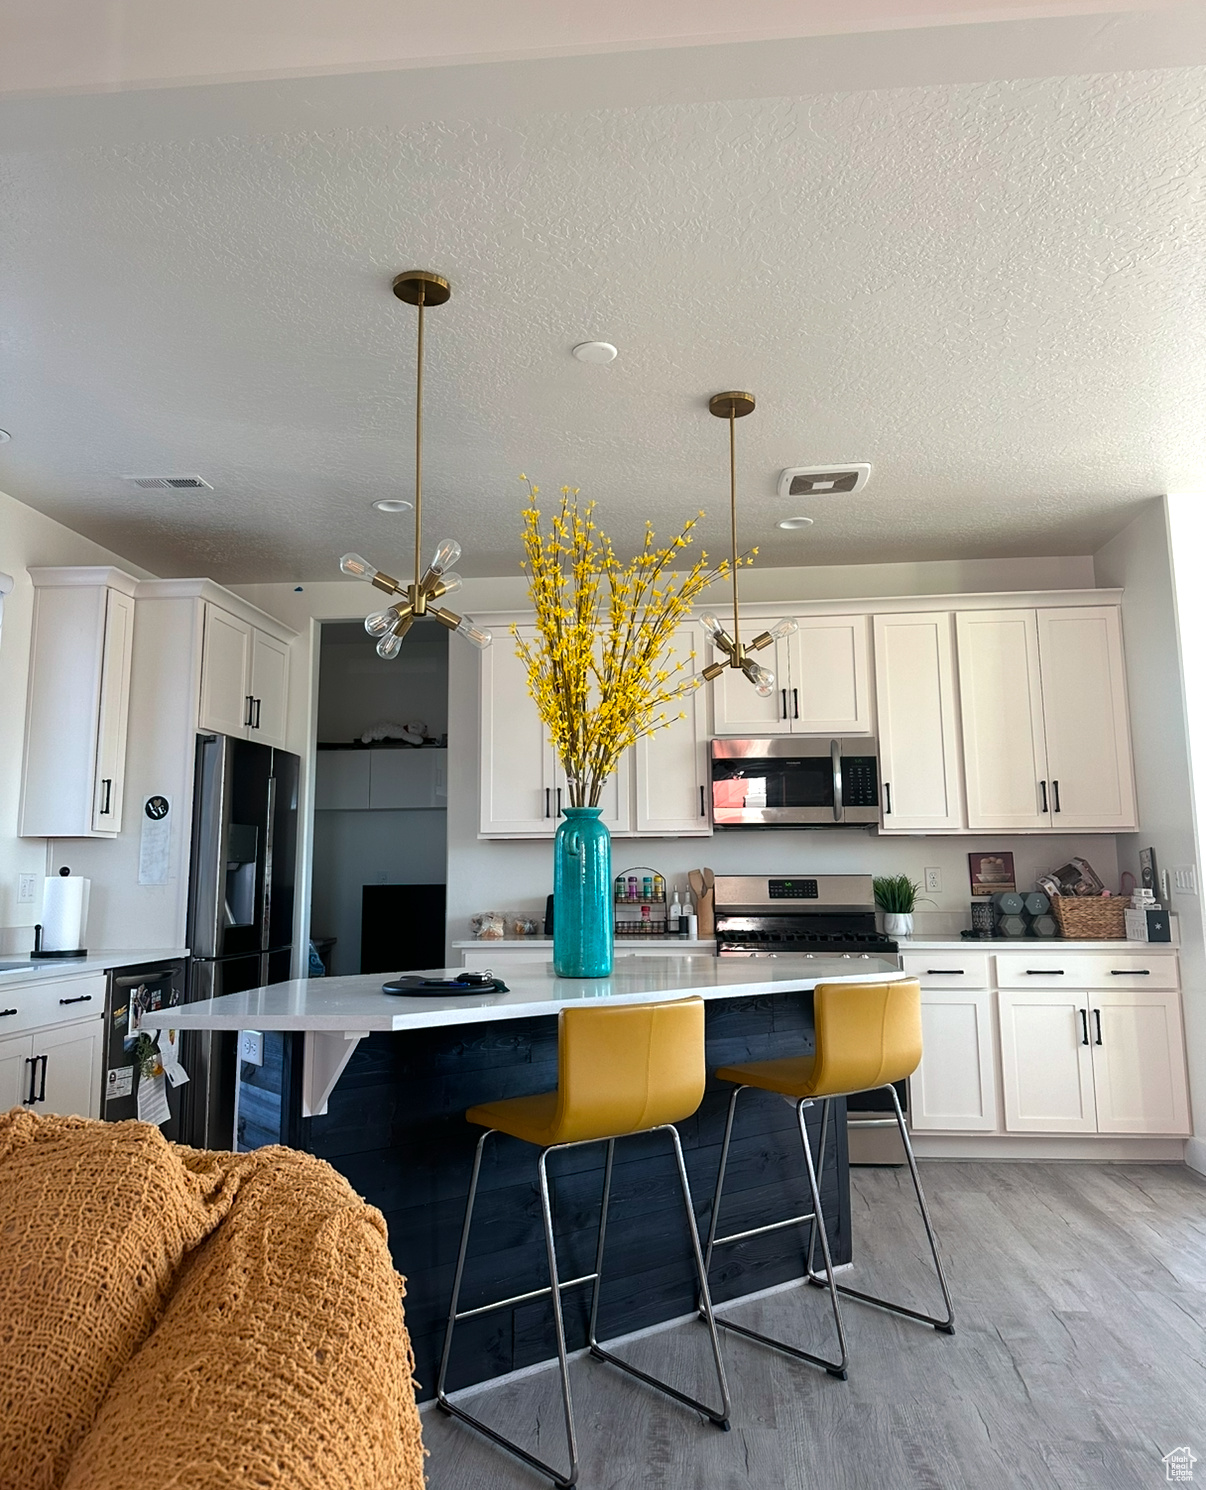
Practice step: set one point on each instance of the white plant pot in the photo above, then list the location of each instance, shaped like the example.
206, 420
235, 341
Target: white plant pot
898, 923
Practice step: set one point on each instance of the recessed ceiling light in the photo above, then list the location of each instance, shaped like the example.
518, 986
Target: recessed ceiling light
393, 504
5, 437
791, 523
595, 351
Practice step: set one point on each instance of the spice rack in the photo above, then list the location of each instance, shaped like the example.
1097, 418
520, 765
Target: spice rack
640, 902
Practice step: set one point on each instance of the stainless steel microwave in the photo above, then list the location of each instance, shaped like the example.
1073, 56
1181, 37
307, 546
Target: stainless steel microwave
789, 782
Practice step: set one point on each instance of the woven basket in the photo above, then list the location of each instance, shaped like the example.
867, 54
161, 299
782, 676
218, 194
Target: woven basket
1090, 918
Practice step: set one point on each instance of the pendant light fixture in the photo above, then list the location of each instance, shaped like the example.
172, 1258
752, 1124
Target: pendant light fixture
733, 406
420, 288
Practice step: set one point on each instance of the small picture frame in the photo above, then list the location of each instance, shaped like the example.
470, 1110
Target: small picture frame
991, 873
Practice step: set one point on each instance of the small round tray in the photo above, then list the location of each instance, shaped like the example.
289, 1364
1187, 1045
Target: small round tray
412, 986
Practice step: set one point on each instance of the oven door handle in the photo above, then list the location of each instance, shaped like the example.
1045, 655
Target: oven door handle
835, 755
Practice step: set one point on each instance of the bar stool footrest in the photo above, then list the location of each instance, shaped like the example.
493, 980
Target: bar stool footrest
562, 1481
719, 1418
946, 1326
835, 1368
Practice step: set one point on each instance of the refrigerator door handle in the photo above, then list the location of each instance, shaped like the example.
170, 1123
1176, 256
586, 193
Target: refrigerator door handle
266, 895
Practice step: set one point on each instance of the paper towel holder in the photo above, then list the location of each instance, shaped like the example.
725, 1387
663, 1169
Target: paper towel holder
40, 955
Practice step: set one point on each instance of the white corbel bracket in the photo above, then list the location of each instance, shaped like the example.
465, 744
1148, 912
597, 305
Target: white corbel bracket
326, 1054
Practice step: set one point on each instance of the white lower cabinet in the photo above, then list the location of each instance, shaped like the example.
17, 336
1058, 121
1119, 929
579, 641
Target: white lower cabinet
1138, 1062
54, 1070
955, 1087
1046, 1062
15, 1056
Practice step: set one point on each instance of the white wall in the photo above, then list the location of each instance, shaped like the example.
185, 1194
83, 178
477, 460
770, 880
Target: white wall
27, 539
1169, 690
358, 690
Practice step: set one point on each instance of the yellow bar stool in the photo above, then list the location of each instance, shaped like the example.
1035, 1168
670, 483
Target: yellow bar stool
622, 1070
868, 1035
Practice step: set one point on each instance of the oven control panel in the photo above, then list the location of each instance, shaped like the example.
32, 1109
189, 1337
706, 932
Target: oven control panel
792, 889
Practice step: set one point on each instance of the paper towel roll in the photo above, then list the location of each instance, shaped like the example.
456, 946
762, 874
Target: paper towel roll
64, 912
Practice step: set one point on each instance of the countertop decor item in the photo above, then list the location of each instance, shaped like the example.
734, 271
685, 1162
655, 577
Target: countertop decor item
421, 288
732, 406
599, 671
991, 874
488, 926
896, 895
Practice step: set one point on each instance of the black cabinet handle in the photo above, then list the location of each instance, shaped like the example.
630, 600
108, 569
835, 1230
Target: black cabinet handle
946, 972
548, 801
29, 1099
703, 805
83, 998
783, 695
45, 1059
887, 799
1097, 1021
1084, 1026
257, 703
1043, 789
1045, 972
4, 1013
1130, 972
795, 703
107, 786
558, 802
1055, 795
248, 701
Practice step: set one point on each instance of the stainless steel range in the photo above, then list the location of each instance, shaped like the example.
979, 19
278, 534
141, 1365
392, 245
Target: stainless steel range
820, 915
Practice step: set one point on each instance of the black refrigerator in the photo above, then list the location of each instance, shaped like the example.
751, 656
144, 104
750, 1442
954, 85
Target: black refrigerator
242, 873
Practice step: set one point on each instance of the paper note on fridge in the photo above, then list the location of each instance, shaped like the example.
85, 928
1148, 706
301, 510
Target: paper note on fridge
169, 1046
152, 1100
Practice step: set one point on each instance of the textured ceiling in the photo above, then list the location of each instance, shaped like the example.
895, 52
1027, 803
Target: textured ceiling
994, 292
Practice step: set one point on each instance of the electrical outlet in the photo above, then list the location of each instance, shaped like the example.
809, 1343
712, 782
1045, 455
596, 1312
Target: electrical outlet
933, 881
27, 888
251, 1047
1185, 880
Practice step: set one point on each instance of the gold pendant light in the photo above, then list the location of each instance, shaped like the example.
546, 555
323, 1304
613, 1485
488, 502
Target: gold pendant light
420, 288
732, 406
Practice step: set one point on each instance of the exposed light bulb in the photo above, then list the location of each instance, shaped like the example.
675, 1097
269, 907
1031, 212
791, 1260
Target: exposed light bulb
689, 685
711, 625
358, 567
446, 555
472, 632
389, 646
788, 626
380, 622
761, 677
450, 584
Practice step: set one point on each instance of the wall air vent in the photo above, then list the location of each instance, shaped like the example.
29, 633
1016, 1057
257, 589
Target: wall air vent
821, 481
169, 483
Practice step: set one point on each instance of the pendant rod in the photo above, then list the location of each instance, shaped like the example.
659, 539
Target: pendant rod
419, 450
733, 524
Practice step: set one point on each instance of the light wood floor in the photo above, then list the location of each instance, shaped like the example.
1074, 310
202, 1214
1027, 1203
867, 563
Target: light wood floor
1080, 1357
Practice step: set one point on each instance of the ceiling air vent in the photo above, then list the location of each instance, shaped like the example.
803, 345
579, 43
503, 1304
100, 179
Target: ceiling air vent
169, 483
819, 481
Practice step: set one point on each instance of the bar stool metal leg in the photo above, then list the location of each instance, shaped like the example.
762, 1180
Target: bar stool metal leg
817, 1221
944, 1324
718, 1416
563, 1480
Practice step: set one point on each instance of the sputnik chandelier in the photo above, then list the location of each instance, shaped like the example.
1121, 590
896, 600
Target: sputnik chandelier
733, 406
420, 288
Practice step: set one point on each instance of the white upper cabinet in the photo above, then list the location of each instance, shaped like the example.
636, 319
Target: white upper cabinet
78, 703
519, 779
916, 693
822, 682
671, 766
1004, 751
1091, 778
244, 680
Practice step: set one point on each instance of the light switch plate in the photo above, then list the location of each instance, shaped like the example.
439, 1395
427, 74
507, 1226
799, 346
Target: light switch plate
1185, 880
27, 888
251, 1047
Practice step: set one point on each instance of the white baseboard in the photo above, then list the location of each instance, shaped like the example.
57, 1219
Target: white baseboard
1195, 1154
1087, 1148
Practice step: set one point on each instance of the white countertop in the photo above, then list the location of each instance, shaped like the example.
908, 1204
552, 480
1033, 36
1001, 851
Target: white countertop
357, 1003
34, 970
668, 946
1026, 944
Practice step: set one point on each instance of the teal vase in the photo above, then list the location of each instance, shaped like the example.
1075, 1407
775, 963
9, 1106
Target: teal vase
582, 927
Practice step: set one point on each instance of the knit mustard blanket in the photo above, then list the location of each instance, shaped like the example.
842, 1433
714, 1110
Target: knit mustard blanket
177, 1318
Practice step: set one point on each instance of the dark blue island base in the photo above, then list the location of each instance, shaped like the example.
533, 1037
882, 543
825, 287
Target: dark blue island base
396, 1129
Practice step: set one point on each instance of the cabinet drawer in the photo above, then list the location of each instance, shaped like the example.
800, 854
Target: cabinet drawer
40, 1005
947, 969
1054, 968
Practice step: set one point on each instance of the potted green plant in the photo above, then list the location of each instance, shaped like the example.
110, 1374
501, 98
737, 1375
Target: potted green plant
896, 895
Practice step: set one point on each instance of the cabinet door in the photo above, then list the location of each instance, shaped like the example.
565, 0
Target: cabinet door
225, 674
1046, 1062
1085, 714
1139, 1064
916, 698
14, 1071
518, 780
73, 1057
114, 713
341, 779
1001, 706
738, 708
955, 1087
671, 766
269, 689
828, 689
403, 778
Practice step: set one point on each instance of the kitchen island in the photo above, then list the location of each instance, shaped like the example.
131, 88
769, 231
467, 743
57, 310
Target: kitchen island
378, 1086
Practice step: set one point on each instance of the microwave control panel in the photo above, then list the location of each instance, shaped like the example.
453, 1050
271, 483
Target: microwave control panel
860, 786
